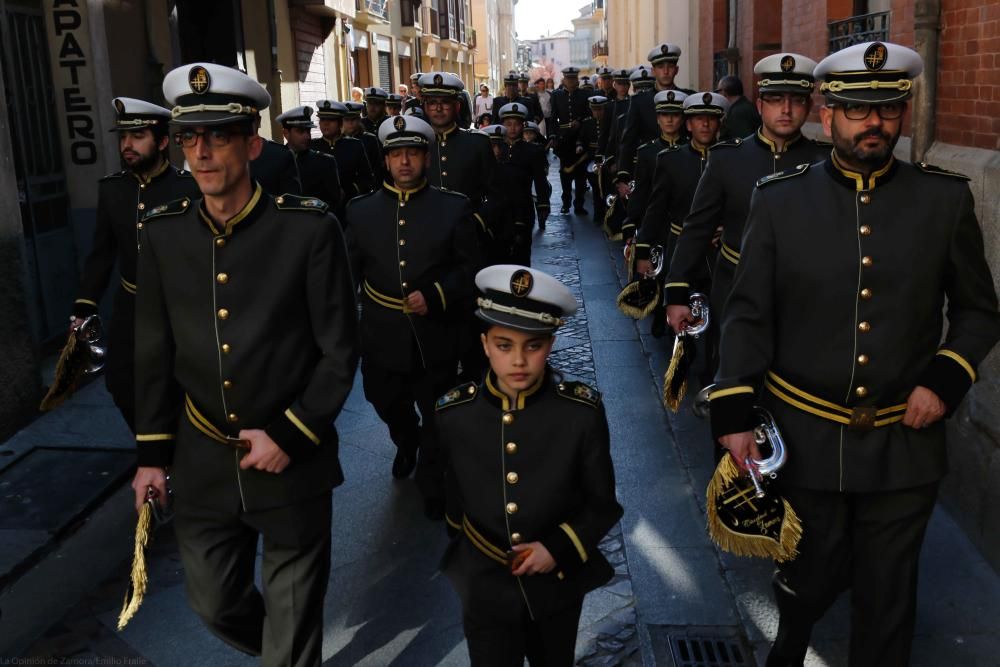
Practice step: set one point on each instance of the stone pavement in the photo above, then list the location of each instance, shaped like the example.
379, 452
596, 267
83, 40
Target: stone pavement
674, 593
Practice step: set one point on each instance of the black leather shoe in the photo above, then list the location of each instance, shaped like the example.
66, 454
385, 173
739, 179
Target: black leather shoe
564, 209
434, 509
579, 210
404, 463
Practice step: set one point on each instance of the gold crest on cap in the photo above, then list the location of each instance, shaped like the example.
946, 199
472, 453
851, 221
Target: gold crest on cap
438, 79
521, 283
664, 49
706, 98
119, 106
875, 56
399, 123
787, 64
671, 96
199, 80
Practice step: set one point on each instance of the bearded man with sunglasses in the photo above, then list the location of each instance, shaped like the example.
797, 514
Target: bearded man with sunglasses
246, 347
835, 324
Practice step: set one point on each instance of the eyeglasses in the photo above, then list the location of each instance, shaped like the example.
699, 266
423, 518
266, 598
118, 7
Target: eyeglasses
859, 111
774, 99
215, 137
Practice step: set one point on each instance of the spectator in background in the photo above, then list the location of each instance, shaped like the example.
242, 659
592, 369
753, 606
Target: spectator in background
357, 94
402, 90
742, 118
544, 101
484, 102
550, 85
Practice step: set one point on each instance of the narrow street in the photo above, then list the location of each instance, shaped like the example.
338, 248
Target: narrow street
675, 596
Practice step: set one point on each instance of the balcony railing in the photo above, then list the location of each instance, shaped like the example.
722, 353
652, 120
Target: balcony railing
377, 8
857, 29
599, 49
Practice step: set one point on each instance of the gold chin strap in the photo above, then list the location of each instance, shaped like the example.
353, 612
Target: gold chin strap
232, 108
837, 86
544, 318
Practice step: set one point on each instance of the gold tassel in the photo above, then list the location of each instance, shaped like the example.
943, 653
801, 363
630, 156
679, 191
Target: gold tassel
632, 311
674, 402
741, 544
137, 589
65, 377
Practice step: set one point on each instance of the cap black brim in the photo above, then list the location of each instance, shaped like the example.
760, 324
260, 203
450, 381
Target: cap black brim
514, 322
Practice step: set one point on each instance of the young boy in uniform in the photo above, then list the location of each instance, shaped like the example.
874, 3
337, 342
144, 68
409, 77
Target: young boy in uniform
530, 482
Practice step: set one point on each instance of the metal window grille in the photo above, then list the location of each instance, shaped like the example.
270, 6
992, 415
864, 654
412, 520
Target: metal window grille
857, 29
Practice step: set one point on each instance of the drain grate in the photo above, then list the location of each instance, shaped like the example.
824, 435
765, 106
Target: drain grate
693, 646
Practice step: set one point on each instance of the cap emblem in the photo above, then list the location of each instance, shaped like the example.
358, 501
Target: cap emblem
521, 283
199, 80
119, 105
787, 64
399, 123
706, 98
875, 56
664, 49
438, 79
671, 96
514, 108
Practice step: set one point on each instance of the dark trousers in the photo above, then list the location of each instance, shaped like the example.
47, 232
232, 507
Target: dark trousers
283, 622
598, 197
396, 396
546, 642
578, 178
869, 543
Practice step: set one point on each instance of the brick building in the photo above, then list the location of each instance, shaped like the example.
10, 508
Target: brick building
954, 122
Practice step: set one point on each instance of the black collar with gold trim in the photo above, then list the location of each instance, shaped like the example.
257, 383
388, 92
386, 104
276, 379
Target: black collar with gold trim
856, 180
764, 142
401, 194
491, 392
156, 173
250, 212
700, 152
446, 133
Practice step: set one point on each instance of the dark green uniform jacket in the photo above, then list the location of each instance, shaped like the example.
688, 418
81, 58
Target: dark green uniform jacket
352, 163
373, 153
319, 176
567, 109
837, 314
529, 101
741, 120
723, 200
522, 165
675, 179
250, 324
645, 166
612, 127
122, 199
404, 241
535, 469
462, 161
274, 169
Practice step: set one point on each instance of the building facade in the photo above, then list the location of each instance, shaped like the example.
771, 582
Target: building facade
636, 26
548, 55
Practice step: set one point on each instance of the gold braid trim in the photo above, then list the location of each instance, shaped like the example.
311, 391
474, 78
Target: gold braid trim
140, 577
670, 401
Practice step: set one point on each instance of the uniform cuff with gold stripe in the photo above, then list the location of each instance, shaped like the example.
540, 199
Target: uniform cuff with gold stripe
566, 548
642, 251
154, 450
949, 375
678, 294
84, 308
293, 436
731, 409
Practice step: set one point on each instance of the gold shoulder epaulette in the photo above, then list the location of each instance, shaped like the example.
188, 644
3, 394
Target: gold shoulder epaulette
798, 170
931, 169
726, 143
580, 392
184, 173
460, 394
175, 207
670, 149
288, 202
